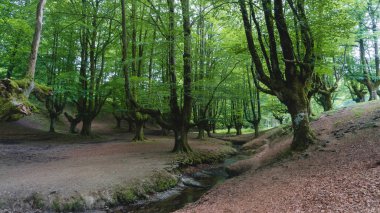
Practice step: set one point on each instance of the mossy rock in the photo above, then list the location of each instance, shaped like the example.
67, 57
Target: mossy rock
14, 103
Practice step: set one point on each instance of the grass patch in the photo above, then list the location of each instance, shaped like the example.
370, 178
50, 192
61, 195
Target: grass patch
233, 131
36, 201
203, 157
358, 112
160, 181
74, 204
125, 196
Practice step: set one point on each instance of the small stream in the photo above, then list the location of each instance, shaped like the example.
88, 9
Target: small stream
189, 190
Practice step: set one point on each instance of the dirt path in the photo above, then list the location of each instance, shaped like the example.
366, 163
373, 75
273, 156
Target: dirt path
32, 160
341, 173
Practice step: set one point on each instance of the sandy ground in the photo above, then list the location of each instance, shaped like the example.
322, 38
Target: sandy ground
340, 173
32, 160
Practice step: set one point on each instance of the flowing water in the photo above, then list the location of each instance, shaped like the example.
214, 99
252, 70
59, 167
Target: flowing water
189, 191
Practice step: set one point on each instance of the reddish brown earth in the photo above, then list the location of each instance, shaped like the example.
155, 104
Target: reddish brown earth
340, 173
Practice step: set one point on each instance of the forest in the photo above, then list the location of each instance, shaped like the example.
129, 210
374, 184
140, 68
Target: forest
197, 81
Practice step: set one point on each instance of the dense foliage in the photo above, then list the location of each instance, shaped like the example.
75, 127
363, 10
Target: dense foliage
195, 64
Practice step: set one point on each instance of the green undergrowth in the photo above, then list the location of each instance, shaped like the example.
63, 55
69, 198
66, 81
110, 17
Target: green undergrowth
203, 157
74, 204
159, 181
36, 201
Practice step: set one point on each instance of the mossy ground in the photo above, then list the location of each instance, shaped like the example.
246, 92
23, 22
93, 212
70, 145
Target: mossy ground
159, 181
203, 157
13, 101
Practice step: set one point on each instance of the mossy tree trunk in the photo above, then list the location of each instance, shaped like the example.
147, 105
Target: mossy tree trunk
92, 65
86, 126
326, 101
118, 122
139, 131
288, 78
297, 104
74, 121
254, 115
229, 129
181, 144
179, 118
14, 94
202, 126
371, 83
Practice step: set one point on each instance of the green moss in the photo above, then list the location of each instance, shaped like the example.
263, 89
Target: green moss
56, 205
162, 181
141, 117
195, 158
74, 204
36, 201
125, 196
14, 104
42, 89
358, 112
21, 83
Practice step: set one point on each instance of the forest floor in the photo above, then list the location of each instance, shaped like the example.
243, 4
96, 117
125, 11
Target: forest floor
32, 160
340, 173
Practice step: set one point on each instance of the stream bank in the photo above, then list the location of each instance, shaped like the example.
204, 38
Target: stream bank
250, 155
190, 188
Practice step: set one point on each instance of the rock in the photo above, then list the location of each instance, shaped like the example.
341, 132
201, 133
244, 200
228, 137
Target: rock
187, 181
201, 175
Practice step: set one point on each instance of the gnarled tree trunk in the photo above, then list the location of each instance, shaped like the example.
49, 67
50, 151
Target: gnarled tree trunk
287, 80
14, 94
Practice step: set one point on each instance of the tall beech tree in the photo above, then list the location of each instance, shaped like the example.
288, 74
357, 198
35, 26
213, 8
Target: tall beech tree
287, 78
179, 118
367, 16
328, 84
93, 43
254, 116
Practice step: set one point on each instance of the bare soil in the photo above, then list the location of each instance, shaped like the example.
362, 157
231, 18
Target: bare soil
340, 173
32, 160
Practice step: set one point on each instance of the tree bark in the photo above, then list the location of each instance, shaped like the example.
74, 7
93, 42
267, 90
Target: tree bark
238, 130
326, 101
118, 123
181, 143
36, 41
371, 86
52, 124
139, 131
202, 126
290, 84
298, 108
86, 127
73, 122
